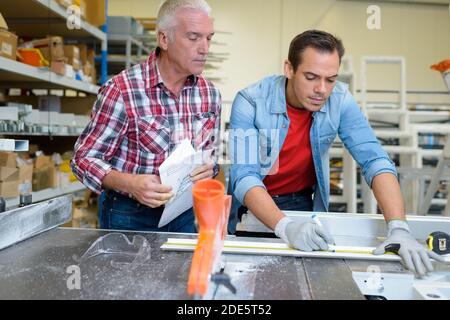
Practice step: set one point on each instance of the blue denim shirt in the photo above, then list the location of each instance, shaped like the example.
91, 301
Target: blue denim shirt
259, 125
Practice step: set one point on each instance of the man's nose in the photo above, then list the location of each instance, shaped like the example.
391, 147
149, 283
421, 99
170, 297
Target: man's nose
320, 87
203, 47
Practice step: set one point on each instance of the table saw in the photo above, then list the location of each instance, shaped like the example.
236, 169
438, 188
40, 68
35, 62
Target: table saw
40, 260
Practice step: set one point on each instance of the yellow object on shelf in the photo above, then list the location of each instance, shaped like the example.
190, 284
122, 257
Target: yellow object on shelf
32, 57
65, 167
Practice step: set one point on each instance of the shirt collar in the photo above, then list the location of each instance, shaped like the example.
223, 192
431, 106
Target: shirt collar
155, 75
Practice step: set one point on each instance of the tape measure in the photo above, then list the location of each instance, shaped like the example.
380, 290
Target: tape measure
439, 242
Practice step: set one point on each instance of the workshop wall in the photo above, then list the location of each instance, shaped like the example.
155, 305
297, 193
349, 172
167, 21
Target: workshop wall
262, 29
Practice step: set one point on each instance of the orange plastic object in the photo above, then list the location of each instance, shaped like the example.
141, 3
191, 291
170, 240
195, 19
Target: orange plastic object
442, 66
33, 57
212, 210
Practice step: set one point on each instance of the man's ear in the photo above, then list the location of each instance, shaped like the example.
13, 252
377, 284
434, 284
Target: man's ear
163, 40
288, 69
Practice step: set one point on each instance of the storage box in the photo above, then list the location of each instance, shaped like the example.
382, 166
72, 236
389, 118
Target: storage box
83, 49
123, 25
84, 217
44, 178
52, 47
72, 53
9, 113
8, 159
43, 161
96, 12
33, 117
9, 189
66, 119
8, 174
58, 67
8, 44
48, 118
26, 173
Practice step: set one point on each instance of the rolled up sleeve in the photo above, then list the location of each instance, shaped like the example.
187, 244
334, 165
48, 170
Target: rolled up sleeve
100, 140
245, 172
359, 138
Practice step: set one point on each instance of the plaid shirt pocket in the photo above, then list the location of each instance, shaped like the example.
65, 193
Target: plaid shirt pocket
154, 134
205, 127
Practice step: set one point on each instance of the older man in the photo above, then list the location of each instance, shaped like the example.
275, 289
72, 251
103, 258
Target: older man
143, 113
289, 123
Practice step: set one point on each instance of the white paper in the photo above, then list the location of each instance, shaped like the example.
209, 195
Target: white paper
175, 172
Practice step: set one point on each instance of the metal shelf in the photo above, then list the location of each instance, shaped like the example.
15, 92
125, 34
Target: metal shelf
38, 18
47, 194
39, 134
15, 74
126, 43
114, 39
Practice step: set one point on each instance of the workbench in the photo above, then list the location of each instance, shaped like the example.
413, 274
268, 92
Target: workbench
39, 268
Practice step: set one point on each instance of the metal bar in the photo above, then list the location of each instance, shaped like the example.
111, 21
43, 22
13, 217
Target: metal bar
23, 223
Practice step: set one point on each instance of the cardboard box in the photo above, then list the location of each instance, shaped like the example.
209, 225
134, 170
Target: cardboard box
96, 12
9, 113
26, 173
58, 67
52, 47
44, 178
83, 53
84, 217
43, 161
8, 174
72, 53
8, 159
82, 4
8, 44
9, 189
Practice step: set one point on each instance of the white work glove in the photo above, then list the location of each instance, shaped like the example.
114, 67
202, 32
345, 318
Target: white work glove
415, 257
305, 236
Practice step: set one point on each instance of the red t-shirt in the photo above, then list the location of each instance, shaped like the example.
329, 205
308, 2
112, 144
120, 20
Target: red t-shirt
296, 167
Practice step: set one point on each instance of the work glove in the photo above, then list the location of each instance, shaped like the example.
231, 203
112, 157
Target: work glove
415, 257
305, 236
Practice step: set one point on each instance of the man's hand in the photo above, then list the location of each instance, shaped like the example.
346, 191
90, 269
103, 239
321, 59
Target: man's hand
306, 236
148, 190
203, 172
415, 257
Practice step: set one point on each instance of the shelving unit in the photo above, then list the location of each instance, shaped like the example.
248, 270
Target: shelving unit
47, 194
38, 19
127, 50
15, 74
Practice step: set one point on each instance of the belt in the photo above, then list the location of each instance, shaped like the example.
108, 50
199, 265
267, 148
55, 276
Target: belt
304, 192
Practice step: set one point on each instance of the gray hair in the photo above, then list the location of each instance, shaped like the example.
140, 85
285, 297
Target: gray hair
166, 14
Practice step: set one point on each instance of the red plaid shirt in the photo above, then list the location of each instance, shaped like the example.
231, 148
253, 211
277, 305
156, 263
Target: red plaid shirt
137, 122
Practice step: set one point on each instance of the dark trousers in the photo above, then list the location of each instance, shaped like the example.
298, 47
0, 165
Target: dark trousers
298, 201
119, 212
